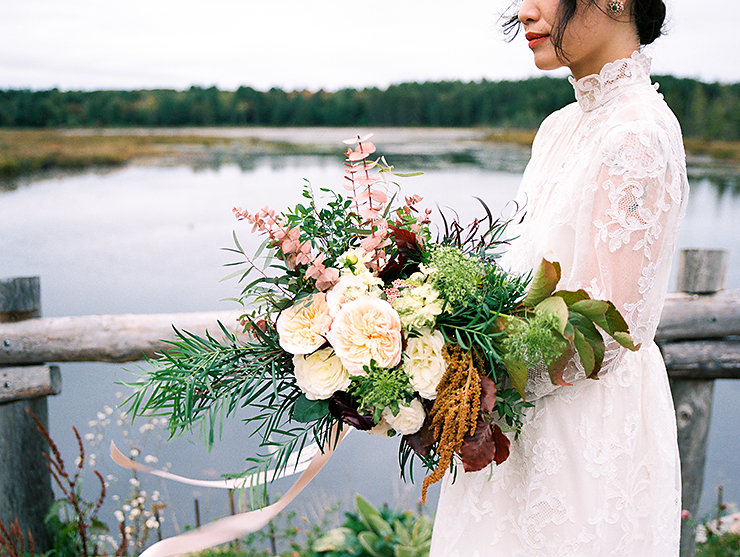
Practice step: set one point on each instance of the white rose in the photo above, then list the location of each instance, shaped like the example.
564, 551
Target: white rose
321, 374
424, 363
409, 418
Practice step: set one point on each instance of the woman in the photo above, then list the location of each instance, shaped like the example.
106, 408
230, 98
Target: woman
595, 471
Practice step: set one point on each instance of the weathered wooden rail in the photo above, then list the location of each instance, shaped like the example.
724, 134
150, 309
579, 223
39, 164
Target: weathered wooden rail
699, 335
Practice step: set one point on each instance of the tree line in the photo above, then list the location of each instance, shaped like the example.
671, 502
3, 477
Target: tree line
705, 110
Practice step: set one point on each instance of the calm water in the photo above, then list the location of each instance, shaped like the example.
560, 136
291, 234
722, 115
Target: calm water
148, 239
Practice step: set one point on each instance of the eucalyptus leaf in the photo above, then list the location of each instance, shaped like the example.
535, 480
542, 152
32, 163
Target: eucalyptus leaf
306, 410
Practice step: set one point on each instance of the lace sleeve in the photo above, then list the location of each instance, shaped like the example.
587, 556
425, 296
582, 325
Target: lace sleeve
625, 233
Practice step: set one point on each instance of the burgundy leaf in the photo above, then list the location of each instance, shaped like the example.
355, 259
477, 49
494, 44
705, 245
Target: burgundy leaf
487, 393
421, 441
408, 248
343, 407
478, 450
502, 444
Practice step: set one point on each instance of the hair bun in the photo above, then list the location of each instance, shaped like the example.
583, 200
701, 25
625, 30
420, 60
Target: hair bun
649, 17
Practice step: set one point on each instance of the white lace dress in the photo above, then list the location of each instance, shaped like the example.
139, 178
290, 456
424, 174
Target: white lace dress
595, 471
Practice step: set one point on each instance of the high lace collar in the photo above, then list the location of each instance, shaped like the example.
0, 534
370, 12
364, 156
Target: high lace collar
596, 90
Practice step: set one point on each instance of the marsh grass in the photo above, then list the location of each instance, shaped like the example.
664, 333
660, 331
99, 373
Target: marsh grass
26, 151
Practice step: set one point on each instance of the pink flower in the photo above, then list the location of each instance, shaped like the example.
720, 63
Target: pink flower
302, 328
366, 329
685, 515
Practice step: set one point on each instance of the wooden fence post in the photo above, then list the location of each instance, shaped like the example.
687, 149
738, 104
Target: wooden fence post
25, 484
699, 272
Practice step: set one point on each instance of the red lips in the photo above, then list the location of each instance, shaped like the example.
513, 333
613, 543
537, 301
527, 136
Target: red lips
535, 38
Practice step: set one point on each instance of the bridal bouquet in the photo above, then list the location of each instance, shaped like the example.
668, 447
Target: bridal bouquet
356, 313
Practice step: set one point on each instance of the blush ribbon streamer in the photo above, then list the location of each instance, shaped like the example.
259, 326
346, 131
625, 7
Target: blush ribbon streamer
236, 526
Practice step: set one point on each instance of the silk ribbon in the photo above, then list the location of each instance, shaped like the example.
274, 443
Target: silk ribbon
236, 526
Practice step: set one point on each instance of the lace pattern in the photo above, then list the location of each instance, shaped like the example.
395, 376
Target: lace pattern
595, 470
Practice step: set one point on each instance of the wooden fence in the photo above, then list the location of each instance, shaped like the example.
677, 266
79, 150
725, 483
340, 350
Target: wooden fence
699, 335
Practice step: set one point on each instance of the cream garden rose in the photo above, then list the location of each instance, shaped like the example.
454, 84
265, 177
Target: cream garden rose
366, 329
320, 375
409, 418
302, 328
424, 363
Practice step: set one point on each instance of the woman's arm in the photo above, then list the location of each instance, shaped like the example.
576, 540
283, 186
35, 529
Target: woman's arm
626, 230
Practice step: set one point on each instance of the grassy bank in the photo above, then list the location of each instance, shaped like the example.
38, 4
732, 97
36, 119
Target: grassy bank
23, 152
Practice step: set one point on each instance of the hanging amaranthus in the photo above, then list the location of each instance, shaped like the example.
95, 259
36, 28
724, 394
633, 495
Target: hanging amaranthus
455, 411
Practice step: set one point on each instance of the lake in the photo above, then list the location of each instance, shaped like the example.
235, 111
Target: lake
148, 238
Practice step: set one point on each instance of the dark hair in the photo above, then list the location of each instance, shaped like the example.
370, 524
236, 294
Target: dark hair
648, 16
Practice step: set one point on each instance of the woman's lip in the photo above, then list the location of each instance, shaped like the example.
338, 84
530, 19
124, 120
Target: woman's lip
535, 38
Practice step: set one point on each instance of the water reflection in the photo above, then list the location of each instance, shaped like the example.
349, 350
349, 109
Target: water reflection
724, 177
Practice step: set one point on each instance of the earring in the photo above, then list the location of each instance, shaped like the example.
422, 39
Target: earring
615, 7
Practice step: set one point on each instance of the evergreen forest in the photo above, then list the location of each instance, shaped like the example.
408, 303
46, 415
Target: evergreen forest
709, 111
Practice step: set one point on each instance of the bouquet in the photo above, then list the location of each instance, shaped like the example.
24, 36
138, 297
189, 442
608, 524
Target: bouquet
358, 313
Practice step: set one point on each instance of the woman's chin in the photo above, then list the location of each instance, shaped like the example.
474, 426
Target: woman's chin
546, 61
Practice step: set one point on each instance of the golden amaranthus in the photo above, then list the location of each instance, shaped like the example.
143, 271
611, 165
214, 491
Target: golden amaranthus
455, 411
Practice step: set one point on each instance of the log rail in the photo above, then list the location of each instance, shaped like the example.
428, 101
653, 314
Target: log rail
699, 336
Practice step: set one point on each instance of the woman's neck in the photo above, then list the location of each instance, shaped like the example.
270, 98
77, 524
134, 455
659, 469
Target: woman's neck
621, 46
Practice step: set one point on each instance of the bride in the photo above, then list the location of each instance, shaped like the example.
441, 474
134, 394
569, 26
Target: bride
595, 471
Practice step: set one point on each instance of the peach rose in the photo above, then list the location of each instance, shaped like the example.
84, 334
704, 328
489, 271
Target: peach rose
303, 326
365, 329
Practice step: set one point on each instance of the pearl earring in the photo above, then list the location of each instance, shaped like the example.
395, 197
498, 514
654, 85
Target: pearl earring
615, 7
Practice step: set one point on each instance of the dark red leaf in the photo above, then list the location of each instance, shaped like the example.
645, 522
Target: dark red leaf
343, 407
487, 394
478, 450
502, 444
421, 441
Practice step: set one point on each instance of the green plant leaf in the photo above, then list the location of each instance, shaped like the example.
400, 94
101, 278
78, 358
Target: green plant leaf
517, 373
625, 340
604, 314
543, 283
556, 310
368, 540
588, 342
572, 296
306, 410
366, 510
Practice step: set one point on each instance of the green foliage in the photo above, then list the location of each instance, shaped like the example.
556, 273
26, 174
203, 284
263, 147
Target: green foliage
372, 532
202, 381
719, 545
706, 110
458, 276
533, 341
380, 388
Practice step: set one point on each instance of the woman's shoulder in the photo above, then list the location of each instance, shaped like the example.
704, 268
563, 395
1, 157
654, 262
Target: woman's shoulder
643, 110
554, 123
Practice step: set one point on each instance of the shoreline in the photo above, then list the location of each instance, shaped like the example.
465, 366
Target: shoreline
25, 152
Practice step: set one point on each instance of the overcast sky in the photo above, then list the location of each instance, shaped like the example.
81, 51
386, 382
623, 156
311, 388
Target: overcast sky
313, 44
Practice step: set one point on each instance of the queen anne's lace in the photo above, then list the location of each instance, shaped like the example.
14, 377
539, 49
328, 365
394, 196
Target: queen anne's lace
595, 471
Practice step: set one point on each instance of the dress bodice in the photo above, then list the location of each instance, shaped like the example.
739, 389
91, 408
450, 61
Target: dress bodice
605, 191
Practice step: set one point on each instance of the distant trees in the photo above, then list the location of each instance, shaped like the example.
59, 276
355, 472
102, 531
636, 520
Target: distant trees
705, 110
